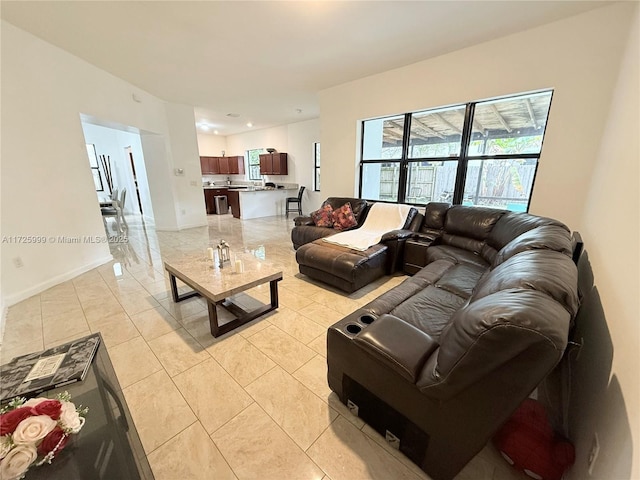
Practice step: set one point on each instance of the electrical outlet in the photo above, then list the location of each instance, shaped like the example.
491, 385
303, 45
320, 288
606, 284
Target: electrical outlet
193, 183
17, 261
593, 453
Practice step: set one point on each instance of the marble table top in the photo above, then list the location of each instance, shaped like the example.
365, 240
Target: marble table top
217, 283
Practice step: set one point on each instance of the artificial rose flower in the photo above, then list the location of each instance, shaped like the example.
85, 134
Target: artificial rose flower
5, 446
69, 418
10, 420
33, 429
17, 461
51, 441
51, 408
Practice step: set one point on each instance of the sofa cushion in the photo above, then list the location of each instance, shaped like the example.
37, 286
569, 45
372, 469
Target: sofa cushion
552, 273
323, 217
512, 224
547, 237
343, 217
434, 215
430, 310
474, 222
461, 279
454, 254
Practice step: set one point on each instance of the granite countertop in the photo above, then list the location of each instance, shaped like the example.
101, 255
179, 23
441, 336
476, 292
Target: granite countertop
246, 188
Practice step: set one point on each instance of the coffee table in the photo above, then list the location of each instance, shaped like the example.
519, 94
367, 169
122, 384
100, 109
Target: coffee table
217, 285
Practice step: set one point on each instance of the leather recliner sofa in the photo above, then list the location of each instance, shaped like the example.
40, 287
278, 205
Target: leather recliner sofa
439, 363
305, 231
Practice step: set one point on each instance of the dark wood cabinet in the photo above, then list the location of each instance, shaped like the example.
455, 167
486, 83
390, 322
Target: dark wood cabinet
273, 164
209, 198
222, 165
234, 202
236, 165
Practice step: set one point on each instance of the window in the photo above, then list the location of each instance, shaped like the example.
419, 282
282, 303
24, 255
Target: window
254, 163
482, 153
95, 170
316, 167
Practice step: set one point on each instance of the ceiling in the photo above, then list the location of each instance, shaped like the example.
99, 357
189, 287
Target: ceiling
266, 61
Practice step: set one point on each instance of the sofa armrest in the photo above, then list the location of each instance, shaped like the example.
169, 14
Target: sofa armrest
397, 344
397, 235
300, 221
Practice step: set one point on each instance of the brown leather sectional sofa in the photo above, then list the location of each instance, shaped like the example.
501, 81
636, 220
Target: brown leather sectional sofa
439, 363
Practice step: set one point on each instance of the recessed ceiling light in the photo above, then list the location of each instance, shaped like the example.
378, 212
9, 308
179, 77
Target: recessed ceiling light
249, 124
215, 132
233, 115
204, 127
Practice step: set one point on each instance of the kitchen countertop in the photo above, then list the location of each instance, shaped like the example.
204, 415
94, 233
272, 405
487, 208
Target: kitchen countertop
235, 188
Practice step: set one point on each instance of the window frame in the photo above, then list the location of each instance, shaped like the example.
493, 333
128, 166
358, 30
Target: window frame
249, 164
316, 166
463, 158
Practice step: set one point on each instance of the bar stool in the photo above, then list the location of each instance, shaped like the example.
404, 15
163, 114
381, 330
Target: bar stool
295, 200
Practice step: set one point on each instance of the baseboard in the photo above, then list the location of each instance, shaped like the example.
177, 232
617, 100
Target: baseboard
160, 228
41, 287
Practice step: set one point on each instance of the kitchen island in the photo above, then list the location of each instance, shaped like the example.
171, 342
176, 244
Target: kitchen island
259, 202
255, 202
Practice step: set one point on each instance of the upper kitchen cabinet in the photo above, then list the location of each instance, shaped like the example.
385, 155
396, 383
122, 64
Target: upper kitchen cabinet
273, 164
222, 165
209, 165
236, 165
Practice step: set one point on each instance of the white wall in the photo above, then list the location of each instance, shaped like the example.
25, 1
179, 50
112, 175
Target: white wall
588, 174
44, 91
610, 227
296, 139
210, 145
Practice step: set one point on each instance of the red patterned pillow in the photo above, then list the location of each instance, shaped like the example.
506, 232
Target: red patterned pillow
323, 217
343, 217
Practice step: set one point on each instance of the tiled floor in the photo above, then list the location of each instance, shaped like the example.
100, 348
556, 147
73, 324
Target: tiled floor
251, 404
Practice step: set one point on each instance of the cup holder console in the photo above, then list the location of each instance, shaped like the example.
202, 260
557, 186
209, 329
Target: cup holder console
367, 319
357, 324
353, 328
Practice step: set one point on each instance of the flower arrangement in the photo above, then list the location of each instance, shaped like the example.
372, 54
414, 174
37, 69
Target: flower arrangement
34, 431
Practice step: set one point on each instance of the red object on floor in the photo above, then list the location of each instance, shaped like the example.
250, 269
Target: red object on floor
529, 444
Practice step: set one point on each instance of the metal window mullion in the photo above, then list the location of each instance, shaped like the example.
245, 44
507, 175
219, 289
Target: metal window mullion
465, 141
404, 164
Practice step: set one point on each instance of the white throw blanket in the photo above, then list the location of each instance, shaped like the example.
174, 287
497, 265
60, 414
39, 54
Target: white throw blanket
382, 218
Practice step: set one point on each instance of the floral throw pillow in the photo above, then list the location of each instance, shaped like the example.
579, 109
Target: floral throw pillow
323, 217
343, 217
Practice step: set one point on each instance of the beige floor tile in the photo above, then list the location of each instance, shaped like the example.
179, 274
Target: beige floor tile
380, 440
296, 325
478, 467
178, 351
133, 361
319, 344
183, 309
115, 329
256, 448
154, 322
158, 410
313, 375
70, 338
292, 406
26, 308
20, 329
56, 306
341, 408
282, 348
291, 299
240, 358
190, 455
212, 394
321, 314
88, 278
345, 453
91, 291
102, 307
137, 301
64, 325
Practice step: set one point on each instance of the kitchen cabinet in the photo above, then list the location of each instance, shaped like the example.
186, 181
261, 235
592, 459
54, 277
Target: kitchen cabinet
209, 198
209, 165
222, 165
273, 164
234, 202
